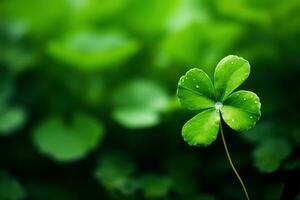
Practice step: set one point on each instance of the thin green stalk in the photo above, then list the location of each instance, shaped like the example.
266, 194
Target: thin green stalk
231, 163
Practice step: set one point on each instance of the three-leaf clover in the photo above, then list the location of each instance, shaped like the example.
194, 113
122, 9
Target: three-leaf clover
240, 110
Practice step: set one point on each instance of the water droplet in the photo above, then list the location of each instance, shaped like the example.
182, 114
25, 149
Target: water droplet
232, 62
194, 79
245, 99
232, 120
197, 86
218, 105
255, 102
251, 117
251, 96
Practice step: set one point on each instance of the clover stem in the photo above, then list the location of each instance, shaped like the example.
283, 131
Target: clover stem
231, 163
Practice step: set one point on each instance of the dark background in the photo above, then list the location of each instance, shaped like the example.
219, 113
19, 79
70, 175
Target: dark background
88, 106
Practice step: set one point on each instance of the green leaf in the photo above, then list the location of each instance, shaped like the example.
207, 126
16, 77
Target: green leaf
274, 191
292, 164
230, 73
202, 129
187, 13
48, 19
115, 172
195, 90
243, 11
149, 17
68, 142
10, 188
241, 110
97, 10
269, 155
7, 90
139, 103
197, 44
91, 50
11, 120
17, 59
154, 186
136, 118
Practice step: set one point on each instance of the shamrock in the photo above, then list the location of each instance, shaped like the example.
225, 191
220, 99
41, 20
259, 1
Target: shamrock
240, 110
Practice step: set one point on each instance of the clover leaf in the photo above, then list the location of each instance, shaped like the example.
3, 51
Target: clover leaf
139, 104
93, 50
215, 100
68, 142
266, 159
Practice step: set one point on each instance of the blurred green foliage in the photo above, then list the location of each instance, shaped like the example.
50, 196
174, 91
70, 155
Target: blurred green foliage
10, 189
88, 106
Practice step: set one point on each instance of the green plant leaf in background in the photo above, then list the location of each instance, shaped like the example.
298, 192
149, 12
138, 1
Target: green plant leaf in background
49, 77
244, 11
17, 59
92, 50
240, 110
7, 90
292, 164
139, 103
10, 188
149, 17
154, 186
115, 172
68, 142
11, 120
274, 191
269, 155
12, 117
197, 44
39, 23
188, 12
97, 10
